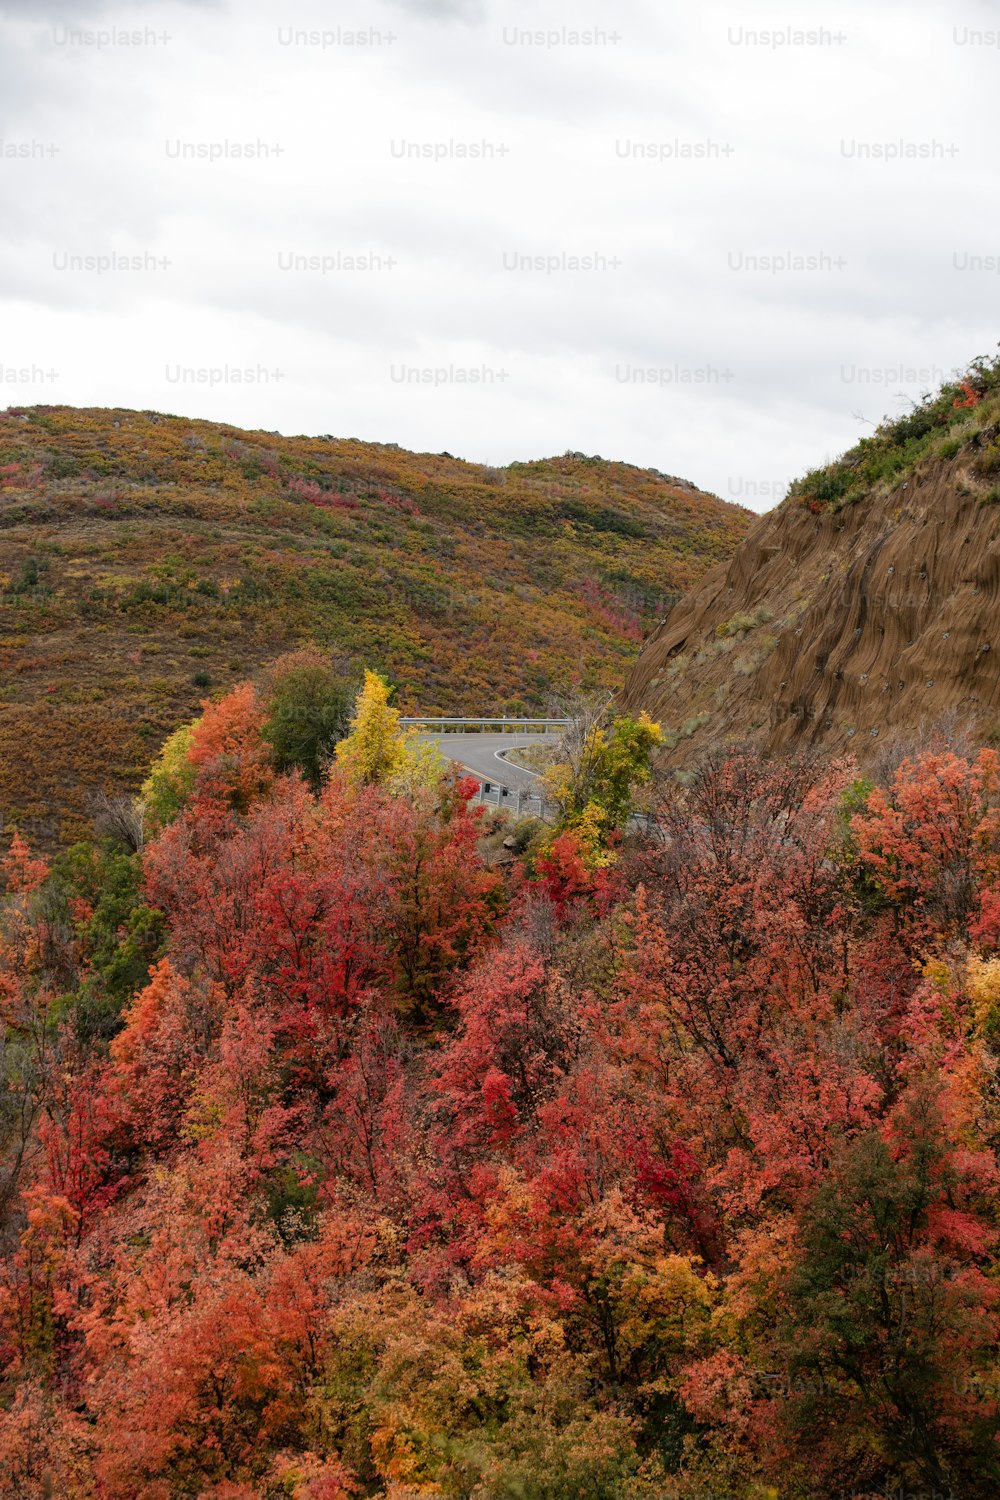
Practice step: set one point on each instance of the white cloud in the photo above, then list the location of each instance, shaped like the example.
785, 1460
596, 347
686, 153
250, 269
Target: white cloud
446, 10
689, 152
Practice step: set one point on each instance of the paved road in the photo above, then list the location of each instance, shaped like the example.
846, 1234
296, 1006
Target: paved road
478, 752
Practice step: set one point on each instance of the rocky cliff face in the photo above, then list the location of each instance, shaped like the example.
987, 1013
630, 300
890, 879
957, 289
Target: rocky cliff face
840, 627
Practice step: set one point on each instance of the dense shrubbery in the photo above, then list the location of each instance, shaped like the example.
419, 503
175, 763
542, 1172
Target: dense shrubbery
401, 1173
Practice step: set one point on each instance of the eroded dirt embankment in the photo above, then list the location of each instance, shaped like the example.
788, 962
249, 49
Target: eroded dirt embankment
836, 629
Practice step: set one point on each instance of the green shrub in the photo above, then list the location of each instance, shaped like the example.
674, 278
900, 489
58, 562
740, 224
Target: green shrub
309, 710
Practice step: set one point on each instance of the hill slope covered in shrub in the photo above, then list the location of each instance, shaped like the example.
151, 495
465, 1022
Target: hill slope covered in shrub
149, 561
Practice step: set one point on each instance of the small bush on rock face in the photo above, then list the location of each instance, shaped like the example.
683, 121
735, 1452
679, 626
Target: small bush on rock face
987, 461
744, 621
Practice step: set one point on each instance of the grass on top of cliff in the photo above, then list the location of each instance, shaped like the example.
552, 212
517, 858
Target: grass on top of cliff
963, 413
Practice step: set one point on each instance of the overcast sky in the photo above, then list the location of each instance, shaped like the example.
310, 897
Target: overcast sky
716, 239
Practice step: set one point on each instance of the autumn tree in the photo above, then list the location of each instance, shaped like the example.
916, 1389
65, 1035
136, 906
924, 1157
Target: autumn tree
891, 1318
171, 778
931, 840
598, 767
378, 751
308, 711
229, 752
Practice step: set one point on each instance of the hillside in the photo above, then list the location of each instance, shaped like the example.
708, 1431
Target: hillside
150, 561
864, 607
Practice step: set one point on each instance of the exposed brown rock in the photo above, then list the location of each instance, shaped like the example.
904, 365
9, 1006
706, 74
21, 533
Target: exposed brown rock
836, 629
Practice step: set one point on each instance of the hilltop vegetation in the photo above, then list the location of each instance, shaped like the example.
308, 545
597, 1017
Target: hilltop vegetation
964, 413
150, 561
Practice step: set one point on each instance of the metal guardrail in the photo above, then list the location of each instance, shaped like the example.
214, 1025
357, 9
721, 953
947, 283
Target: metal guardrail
515, 799
528, 804
489, 723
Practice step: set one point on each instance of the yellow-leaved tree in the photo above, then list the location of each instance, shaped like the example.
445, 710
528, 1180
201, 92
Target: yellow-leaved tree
378, 751
171, 779
598, 767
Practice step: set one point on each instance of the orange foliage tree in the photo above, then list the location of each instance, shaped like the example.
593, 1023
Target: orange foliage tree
403, 1172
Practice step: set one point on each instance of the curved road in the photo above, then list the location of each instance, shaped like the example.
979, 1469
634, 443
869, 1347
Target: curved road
479, 754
